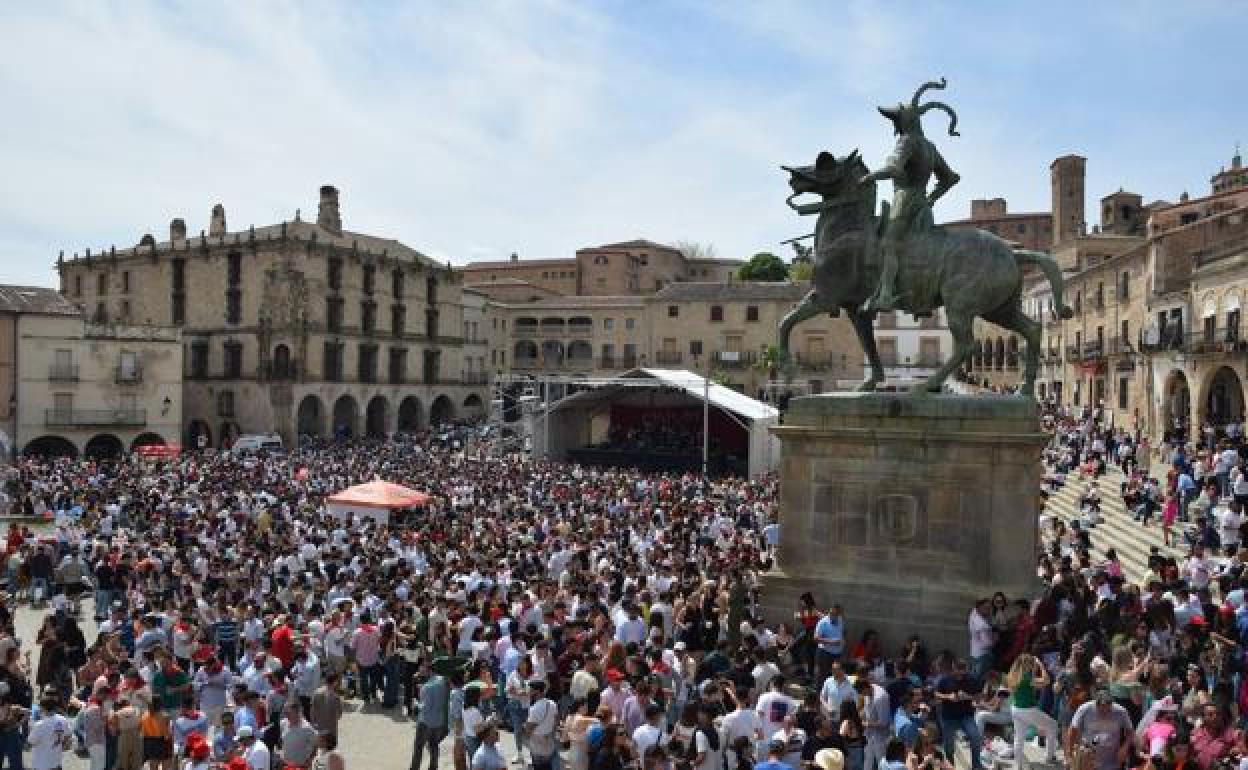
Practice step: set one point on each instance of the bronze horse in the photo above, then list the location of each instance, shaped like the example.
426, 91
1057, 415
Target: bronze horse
970, 272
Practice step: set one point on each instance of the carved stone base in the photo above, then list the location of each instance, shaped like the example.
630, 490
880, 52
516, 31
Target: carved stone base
905, 509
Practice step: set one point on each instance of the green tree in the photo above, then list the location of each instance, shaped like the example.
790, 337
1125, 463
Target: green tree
801, 271
764, 266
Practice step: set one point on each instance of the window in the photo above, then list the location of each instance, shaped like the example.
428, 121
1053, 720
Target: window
431, 290
398, 320
77, 285
63, 405
396, 283
199, 359
335, 273
1124, 285
608, 354
695, 347
101, 284
101, 313
366, 363
233, 305
1122, 392
1125, 332
63, 365
225, 403
368, 316
751, 312
630, 354
333, 361
233, 360
125, 311
673, 311
178, 309
717, 312
431, 323
235, 268
1232, 326
1022, 228
125, 281
333, 314
608, 323
1078, 303
630, 323
369, 276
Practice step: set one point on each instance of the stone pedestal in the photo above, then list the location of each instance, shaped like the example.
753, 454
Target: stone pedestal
905, 509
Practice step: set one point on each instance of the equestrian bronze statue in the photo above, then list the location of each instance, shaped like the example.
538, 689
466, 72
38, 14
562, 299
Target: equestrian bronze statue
900, 259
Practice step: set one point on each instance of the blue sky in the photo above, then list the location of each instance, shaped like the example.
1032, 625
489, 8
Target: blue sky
471, 130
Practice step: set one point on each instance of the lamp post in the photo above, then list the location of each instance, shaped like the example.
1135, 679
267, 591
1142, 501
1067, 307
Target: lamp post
706, 415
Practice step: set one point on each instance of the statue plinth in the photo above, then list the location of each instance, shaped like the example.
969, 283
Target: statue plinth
905, 509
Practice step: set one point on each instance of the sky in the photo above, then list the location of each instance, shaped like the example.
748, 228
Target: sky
471, 130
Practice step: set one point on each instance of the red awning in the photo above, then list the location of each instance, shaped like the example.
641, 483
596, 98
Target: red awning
380, 494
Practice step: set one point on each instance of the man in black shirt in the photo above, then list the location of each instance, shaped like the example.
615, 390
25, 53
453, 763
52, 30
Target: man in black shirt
105, 584
955, 694
825, 736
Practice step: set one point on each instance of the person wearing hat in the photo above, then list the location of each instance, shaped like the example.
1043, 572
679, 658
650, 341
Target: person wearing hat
252, 749
1102, 728
198, 753
829, 759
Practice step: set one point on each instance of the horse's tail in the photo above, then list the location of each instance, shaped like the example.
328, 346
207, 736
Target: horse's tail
1051, 271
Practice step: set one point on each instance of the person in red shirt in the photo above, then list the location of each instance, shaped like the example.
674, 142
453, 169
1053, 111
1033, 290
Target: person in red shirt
282, 641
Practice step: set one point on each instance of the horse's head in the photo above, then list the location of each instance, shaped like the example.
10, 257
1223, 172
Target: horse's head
828, 177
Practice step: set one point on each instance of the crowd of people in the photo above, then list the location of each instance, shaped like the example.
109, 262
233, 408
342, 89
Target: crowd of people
603, 619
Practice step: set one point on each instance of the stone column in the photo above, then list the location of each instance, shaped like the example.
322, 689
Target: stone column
905, 509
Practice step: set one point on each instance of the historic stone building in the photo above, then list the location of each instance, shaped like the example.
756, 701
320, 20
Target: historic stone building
73, 387
1157, 290
634, 267
299, 327
1028, 229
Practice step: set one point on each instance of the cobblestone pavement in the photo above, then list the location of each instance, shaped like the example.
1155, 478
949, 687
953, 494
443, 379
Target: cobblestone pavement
369, 738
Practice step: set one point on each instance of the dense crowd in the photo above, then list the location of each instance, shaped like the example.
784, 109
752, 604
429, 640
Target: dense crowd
603, 618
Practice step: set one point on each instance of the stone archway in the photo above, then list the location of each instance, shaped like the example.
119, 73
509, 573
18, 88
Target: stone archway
310, 417
1223, 399
147, 439
103, 446
1176, 405
346, 417
473, 407
377, 417
411, 415
198, 435
50, 446
441, 411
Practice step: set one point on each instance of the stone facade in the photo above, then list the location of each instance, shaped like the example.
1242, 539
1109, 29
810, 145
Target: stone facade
297, 327
1029, 230
688, 325
929, 502
628, 268
95, 390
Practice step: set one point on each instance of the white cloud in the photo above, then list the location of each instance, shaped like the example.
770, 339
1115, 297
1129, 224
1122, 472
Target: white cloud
471, 130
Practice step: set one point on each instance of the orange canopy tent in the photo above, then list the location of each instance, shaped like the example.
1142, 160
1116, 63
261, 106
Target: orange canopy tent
375, 499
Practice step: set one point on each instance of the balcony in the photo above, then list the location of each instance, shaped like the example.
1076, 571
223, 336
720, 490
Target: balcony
1210, 341
1072, 353
1119, 346
1092, 351
668, 357
734, 359
70, 418
63, 373
128, 375
815, 360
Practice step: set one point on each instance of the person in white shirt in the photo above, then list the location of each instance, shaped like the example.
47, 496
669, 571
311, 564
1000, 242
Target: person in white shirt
650, 733
774, 707
742, 721
253, 750
836, 690
1230, 519
50, 737
982, 638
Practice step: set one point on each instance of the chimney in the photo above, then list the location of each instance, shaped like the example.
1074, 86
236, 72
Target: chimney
327, 216
216, 225
177, 230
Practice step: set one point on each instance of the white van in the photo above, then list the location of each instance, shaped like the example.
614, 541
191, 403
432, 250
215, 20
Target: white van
256, 442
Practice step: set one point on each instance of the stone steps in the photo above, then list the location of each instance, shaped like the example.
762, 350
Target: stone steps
1117, 529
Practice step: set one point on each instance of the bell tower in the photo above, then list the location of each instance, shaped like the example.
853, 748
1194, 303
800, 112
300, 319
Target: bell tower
1066, 175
